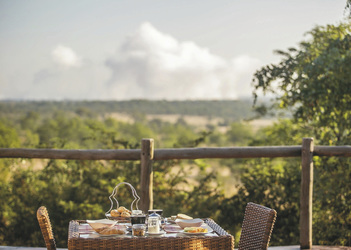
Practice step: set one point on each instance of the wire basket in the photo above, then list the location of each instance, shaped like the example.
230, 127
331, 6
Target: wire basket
115, 203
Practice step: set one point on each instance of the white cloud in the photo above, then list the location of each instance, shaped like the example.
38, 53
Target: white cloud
66, 56
154, 65
148, 64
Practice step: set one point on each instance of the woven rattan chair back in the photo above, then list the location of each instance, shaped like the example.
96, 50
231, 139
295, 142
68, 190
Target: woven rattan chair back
46, 229
257, 227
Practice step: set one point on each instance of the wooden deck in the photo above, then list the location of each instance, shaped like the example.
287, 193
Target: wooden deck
269, 248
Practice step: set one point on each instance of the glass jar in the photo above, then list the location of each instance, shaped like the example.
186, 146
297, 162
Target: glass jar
138, 229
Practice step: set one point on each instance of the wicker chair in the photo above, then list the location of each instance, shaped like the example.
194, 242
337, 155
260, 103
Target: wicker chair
257, 227
46, 229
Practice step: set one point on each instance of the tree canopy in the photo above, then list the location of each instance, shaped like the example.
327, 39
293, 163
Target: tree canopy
314, 82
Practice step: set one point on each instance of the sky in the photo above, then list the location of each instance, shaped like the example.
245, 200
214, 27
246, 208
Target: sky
148, 49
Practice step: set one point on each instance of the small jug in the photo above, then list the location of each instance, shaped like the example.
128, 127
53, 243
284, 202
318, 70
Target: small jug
153, 223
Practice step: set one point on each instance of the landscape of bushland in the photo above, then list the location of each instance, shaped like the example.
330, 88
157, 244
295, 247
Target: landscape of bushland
80, 189
72, 189
313, 99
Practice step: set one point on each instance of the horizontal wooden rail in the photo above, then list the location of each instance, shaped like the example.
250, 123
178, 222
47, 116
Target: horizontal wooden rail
159, 154
174, 153
339, 151
229, 152
97, 154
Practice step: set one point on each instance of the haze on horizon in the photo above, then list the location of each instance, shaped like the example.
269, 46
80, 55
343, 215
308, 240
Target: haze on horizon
172, 50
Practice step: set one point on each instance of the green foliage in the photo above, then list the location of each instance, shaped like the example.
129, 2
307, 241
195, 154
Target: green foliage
331, 203
8, 136
313, 82
239, 133
80, 189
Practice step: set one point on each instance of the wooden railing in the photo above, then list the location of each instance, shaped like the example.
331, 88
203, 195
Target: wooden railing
147, 154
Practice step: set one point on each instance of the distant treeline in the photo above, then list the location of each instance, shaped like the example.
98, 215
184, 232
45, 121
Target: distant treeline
233, 110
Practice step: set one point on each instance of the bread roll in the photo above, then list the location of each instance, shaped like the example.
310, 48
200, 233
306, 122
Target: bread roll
115, 213
125, 214
121, 209
184, 217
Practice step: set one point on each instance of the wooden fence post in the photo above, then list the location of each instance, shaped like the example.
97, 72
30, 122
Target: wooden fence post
306, 193
146, 174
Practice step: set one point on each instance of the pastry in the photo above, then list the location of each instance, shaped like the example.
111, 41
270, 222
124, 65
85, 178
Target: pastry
115, 213
125, 214
122, 209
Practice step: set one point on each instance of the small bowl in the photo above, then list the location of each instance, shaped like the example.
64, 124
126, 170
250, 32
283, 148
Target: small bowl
189, 223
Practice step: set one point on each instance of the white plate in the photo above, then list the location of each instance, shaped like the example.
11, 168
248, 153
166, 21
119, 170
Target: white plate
160, 233
209, 230
187, 233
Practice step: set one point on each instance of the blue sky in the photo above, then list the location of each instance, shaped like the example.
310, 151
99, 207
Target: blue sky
174, 50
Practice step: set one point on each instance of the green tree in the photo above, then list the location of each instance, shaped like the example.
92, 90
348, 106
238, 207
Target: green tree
239, 134
313, 82
8, 139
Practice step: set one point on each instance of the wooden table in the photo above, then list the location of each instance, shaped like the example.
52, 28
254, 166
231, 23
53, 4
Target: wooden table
78, 238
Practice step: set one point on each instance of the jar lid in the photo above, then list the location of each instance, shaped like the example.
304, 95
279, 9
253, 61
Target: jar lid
137, 212
139, 226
